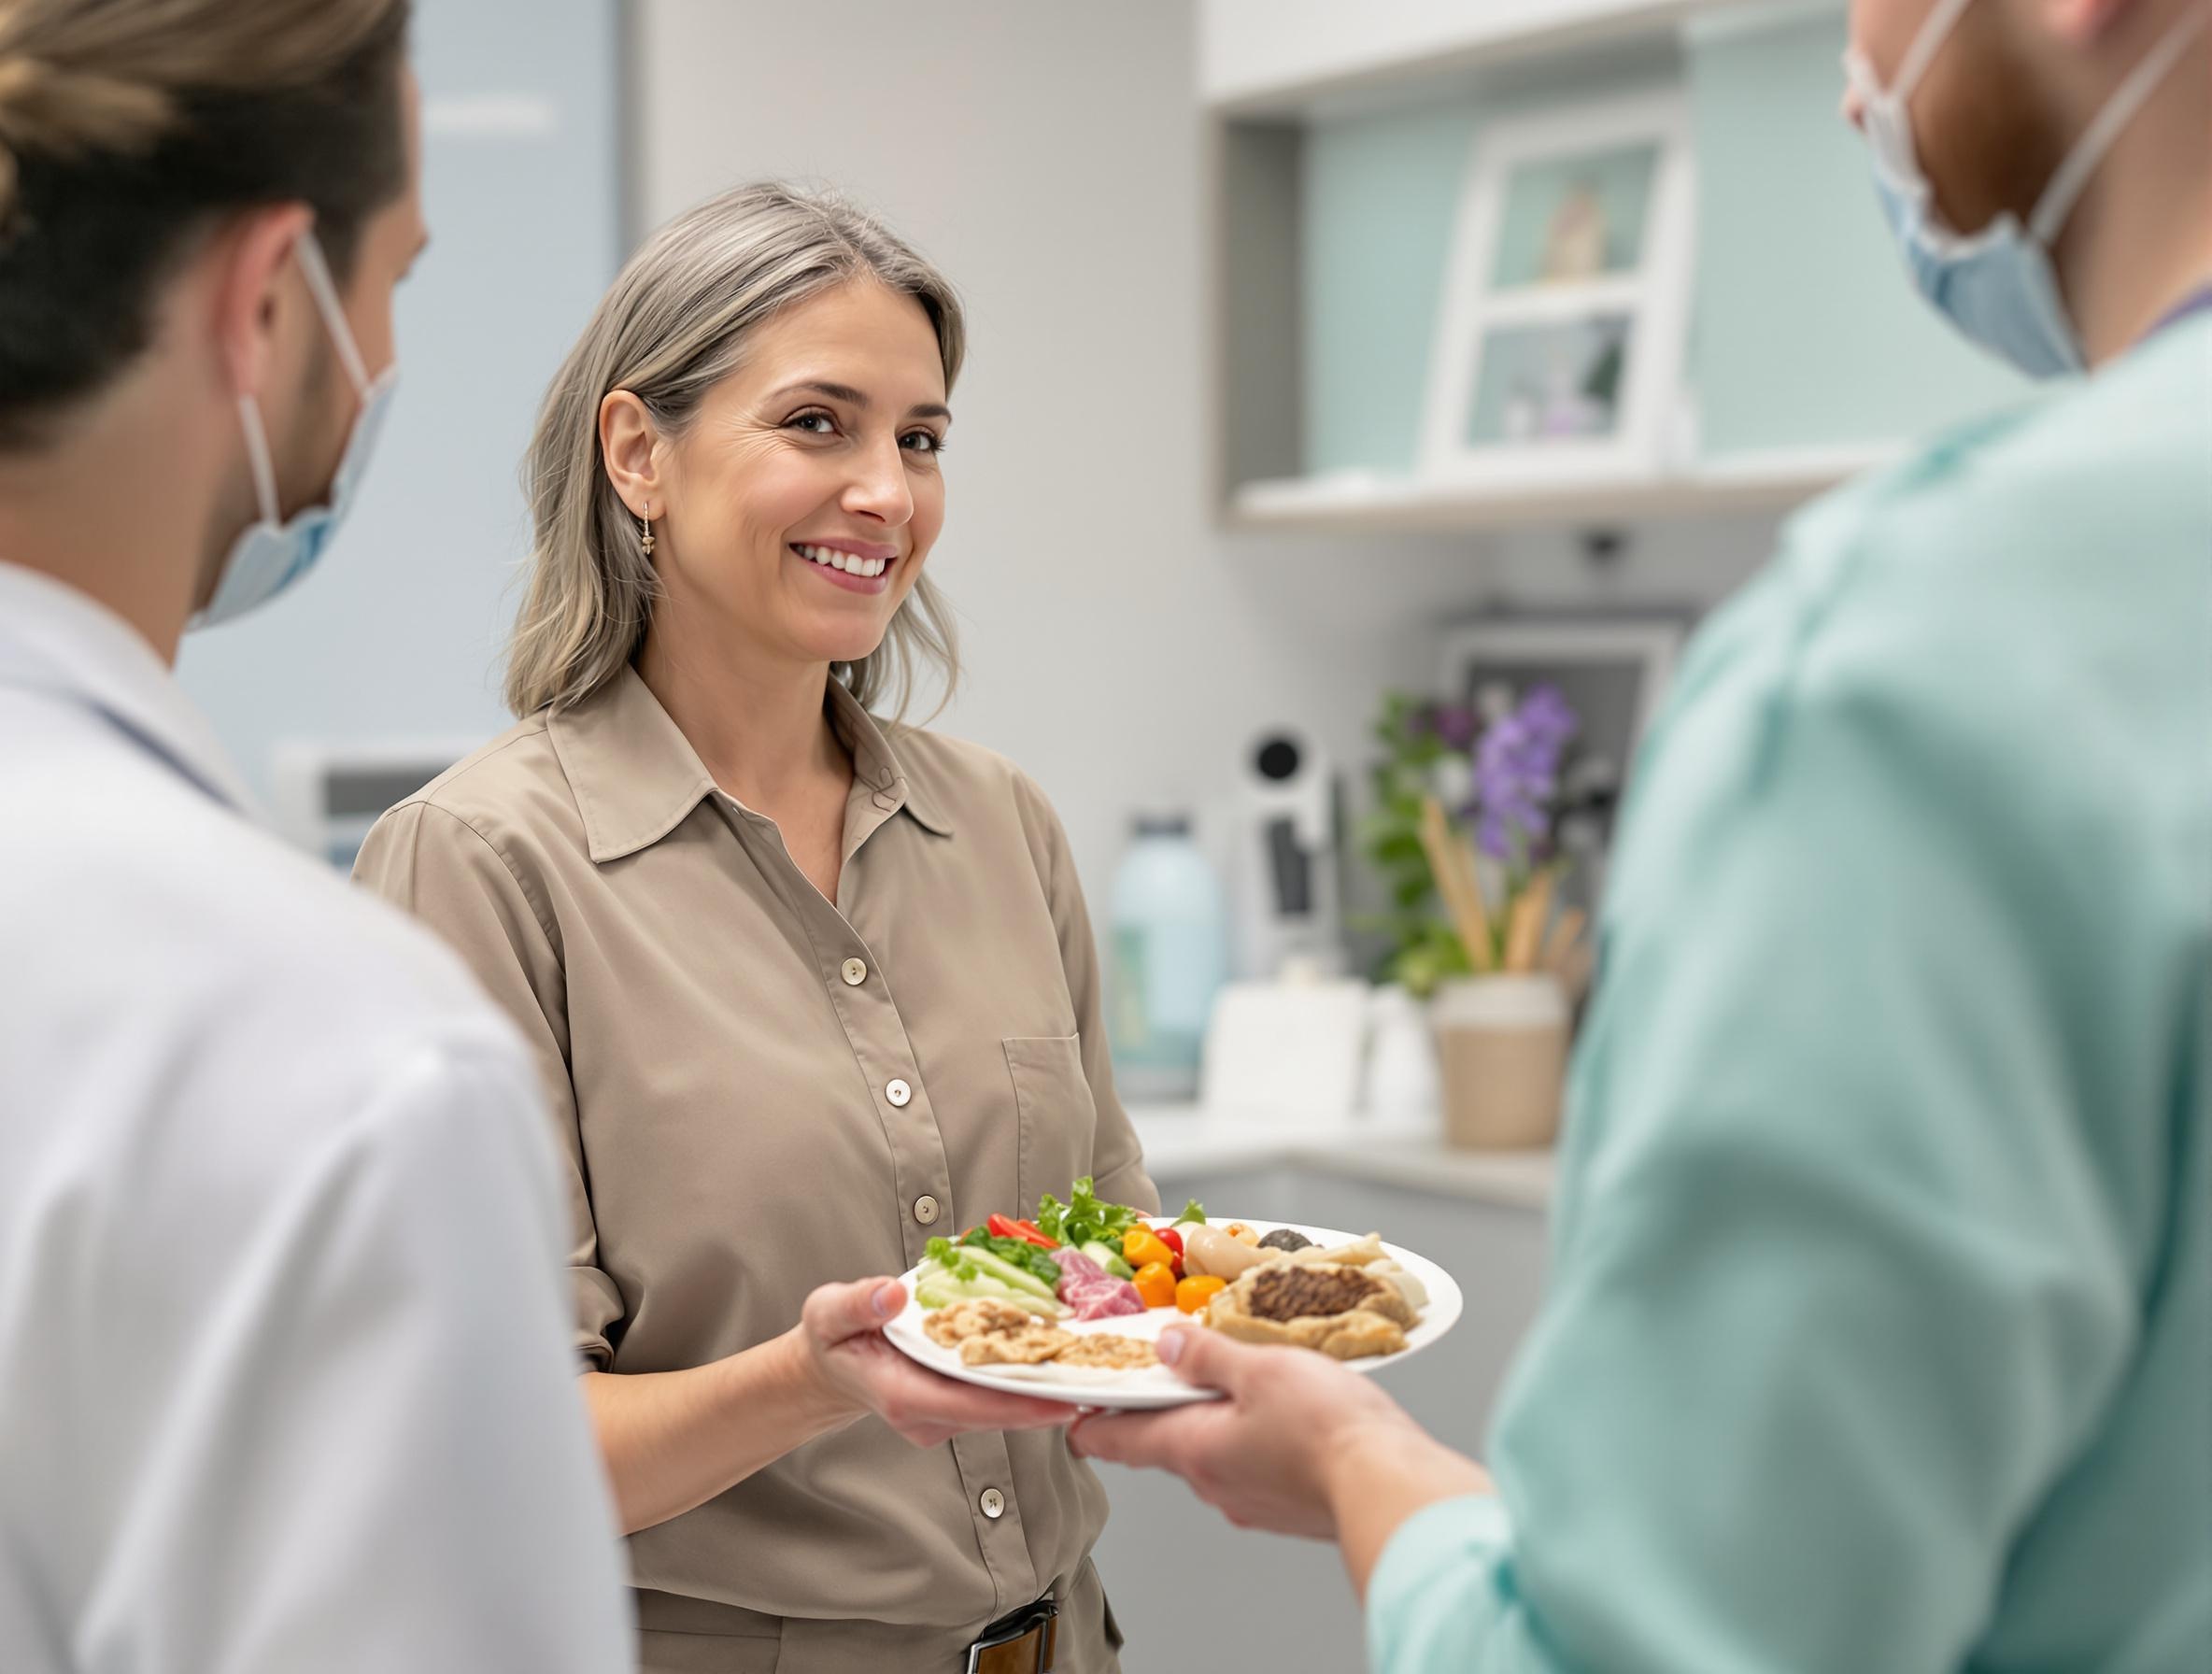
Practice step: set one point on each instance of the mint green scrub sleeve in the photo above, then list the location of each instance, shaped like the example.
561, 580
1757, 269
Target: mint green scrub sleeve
1879, 1335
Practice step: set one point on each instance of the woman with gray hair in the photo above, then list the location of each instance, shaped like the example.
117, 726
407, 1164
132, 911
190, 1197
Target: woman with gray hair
808, 987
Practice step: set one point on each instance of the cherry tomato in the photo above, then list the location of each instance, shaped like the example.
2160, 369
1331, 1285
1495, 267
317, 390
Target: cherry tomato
1195, 1292
1141, 1247
1155, 1284
1172, 1239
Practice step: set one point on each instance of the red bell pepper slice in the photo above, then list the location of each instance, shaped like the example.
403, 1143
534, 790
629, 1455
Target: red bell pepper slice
1003, 1227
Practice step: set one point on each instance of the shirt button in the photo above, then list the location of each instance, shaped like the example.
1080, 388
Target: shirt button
855, 972
898, 1092
993, 1503
924, 1209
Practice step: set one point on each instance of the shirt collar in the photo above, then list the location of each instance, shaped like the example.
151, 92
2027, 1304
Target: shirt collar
636, 777
879, 769
57, 640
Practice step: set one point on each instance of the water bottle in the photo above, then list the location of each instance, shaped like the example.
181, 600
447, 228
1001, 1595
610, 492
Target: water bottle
1170, 956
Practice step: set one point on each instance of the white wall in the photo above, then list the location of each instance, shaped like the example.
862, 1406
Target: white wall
1119, 646
1047, 157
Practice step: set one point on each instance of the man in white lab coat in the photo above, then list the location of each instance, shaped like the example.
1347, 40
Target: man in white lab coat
284, 1381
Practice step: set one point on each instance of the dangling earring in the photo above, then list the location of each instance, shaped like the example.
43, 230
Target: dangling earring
645, 528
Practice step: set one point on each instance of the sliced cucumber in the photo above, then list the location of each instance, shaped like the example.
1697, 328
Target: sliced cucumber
999, 1267
1107, 1256
935, 1287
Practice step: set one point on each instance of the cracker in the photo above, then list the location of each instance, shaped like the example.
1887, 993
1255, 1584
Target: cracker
1104, 1351
980, 1316
1028, 1346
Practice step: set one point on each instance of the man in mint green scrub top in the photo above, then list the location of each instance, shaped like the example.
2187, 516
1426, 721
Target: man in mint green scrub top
1879, 1335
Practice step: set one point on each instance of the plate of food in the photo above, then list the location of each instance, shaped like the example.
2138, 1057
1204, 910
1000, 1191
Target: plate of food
1069, 1305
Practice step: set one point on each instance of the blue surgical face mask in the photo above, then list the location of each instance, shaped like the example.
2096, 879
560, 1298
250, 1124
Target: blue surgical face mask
1997, 286
272, 553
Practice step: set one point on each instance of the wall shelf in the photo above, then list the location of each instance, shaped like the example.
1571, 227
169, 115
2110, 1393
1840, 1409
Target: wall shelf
1284, 59
1369, 501
1340, 140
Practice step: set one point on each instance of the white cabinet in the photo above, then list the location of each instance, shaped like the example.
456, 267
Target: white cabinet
1341, 137
1258, 55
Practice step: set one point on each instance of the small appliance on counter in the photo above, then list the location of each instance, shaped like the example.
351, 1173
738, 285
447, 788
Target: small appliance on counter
1287, 857
1287, 1052
325, 796
1169, 957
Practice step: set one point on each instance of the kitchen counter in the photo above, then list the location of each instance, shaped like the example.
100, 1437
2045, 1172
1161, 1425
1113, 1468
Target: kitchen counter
1181, 1140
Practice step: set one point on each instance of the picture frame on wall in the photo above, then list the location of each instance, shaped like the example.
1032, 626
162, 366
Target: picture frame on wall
1562, 328
1614, 672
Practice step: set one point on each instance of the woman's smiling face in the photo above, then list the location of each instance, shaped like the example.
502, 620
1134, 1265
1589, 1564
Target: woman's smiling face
804, 496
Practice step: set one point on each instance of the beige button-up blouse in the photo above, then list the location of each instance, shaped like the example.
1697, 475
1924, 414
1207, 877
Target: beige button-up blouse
758, 1091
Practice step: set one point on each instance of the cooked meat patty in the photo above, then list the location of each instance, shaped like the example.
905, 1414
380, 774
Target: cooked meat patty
1288, 1292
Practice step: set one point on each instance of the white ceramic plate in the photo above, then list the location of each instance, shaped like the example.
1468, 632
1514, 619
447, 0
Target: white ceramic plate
1155, 1386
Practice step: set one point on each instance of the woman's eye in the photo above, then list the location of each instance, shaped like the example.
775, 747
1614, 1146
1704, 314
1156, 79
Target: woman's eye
817, 424
922, 441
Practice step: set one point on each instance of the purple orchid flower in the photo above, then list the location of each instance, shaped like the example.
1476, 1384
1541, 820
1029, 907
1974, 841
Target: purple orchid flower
1517, 774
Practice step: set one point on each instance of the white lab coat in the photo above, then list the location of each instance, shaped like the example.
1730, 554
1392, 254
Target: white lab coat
285, 1385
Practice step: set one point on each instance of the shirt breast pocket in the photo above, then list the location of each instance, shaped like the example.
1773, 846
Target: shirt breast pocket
1059, 1122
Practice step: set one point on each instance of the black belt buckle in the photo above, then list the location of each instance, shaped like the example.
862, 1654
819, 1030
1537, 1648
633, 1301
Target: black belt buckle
1039, 1619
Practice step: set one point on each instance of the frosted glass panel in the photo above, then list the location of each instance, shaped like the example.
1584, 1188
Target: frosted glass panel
1575, 218
1381, 204
1809, 334
1806, 333
1381, 197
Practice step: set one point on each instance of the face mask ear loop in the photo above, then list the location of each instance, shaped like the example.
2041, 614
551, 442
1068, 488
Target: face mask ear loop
316, 272
2066, 186
1925, 45
259, 462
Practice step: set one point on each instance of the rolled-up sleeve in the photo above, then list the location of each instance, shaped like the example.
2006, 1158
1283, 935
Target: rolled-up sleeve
444, 871
1432, 1601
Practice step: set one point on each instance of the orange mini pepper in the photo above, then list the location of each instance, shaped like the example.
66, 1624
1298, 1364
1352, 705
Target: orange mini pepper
1155, 1284
1141, 1247
1194, 1293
